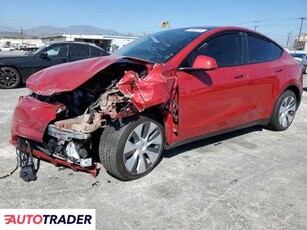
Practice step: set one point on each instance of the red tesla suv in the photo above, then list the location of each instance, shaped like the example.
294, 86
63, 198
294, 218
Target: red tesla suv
162, 90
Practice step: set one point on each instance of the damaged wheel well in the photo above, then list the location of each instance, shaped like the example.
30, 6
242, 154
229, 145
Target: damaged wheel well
156, 113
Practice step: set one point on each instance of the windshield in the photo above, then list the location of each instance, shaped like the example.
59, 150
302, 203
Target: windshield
37, 51
161, 46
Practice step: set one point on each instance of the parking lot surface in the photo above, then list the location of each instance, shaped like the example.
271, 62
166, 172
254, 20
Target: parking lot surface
249, 179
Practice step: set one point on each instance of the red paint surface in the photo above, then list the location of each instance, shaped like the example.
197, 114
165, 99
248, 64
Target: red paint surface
68, 76
31, 118
154, 89
208, 101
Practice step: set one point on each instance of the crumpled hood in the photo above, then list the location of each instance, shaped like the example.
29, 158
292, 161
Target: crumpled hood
68, 76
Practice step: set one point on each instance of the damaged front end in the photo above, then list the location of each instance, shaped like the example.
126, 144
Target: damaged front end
63, 121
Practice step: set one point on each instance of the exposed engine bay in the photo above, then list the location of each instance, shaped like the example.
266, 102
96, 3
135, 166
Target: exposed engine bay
112, 93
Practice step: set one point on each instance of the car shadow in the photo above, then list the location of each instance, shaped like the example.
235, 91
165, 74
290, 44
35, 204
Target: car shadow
212, 140
305, 89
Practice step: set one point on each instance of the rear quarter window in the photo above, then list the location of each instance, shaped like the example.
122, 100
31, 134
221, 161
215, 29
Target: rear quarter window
261, 50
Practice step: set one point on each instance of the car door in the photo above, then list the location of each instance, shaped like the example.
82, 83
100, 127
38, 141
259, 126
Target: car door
265, 73
213, 100
78, 52
51, 55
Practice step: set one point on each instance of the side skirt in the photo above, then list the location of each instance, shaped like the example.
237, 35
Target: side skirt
247, 125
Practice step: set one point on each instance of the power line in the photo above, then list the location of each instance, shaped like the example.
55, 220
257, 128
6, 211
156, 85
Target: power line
264, 20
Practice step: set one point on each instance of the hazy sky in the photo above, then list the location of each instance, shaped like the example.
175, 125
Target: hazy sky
275, 18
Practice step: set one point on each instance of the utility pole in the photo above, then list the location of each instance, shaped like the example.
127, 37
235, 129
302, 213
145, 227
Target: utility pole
255, 26
288, 40
299, 34
21, 33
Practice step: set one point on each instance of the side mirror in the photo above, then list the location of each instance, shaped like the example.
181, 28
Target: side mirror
204, 62
43, 55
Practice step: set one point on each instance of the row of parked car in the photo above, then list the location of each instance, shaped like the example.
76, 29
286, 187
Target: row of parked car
301, 57
160, 91
7, 48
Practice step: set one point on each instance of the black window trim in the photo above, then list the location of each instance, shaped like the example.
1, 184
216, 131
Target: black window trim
225, 32
45, 50
264, 39
75, 44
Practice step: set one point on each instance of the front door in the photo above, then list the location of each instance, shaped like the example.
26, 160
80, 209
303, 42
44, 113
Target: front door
213, 100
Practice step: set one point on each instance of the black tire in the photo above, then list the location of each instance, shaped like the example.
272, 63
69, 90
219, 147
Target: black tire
284, 111
9, 78
119, 134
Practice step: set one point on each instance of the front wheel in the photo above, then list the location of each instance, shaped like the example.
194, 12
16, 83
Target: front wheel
131, 148
284, 111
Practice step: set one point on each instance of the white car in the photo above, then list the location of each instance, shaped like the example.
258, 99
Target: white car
6, 48
301, 58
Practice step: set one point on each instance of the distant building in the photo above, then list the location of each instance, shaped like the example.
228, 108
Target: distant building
108, 42
301, 42
17, 42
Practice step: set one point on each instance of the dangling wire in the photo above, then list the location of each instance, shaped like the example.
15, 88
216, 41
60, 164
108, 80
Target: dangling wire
17, 165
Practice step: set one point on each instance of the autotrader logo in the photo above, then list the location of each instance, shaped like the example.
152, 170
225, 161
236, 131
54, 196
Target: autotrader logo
24, 219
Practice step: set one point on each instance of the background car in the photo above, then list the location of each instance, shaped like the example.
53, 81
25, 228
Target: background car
6, 48
15, 70
158, 92
301, 58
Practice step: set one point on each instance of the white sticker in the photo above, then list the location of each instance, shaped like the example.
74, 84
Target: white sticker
196, 30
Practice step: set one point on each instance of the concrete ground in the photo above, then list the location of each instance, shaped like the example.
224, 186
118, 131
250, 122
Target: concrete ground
250, 179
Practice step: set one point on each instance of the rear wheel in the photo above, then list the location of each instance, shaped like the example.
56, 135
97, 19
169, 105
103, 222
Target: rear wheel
130, 149
284, 111
9, 78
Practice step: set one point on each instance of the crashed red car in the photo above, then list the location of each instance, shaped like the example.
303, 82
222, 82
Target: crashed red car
158, 92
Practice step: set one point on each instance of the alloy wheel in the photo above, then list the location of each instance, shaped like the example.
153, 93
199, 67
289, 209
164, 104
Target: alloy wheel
142, 148
287, 111
9, 77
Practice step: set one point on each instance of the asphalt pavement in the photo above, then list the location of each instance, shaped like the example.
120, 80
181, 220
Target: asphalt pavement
249, 179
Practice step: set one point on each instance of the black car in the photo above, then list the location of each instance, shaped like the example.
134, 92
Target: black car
15, 70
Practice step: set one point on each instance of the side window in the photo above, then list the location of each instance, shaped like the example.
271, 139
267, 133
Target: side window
226, 49
57, 51
260, 50
79, 51
94, 52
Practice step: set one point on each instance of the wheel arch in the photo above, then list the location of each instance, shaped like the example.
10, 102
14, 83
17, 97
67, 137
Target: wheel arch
295, 89
292, 87
157, 112
13, 67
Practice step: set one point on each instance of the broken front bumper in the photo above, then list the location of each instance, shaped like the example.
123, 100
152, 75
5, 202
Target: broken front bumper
31, 120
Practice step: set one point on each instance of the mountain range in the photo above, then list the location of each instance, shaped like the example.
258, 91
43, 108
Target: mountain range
42, 31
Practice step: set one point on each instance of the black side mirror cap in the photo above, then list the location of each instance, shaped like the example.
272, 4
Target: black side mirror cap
43, 55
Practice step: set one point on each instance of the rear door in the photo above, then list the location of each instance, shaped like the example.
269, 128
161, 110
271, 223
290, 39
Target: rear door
266, 73
213, 100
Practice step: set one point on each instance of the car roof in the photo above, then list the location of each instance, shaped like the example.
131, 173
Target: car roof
76, 42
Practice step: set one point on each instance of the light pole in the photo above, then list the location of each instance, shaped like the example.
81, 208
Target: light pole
299, 34
21, 36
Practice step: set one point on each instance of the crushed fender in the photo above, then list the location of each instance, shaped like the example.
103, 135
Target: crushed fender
154, 89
